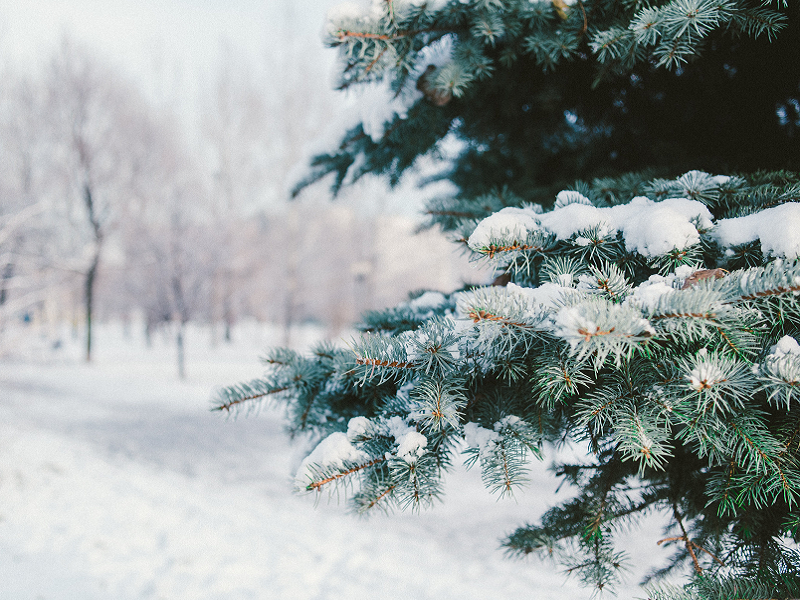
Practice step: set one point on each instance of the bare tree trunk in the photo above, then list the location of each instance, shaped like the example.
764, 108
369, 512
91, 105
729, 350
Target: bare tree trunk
181, 351
181, 317
228, 321
91, 273
89, 287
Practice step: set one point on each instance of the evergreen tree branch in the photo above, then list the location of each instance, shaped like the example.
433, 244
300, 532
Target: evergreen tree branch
337, 476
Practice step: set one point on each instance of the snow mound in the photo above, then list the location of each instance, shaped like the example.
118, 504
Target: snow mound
332, 452
508, 224
648, 227
777, 228
786, 346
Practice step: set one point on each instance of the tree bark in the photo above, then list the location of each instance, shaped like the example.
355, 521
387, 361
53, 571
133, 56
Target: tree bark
91, 272
89, 286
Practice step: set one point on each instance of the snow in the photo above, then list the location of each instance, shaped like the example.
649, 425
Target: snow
378, 104
787, 345
572, 218
705, 375
332, 452
648, 294
427, 302
571, 319
116, 481
777, 228
782, 364
375, 104
411, 445
507, 421
509, 223
649, 228
477, 436
658, 231
358, 427
547, 295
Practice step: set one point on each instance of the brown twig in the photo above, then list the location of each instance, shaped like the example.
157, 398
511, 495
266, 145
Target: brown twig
685, 315
772, 292
482, 315
375, 60
585, 20
377, 362
492, 250
588, 335
689, 544
383, 494
317, 485
228, 405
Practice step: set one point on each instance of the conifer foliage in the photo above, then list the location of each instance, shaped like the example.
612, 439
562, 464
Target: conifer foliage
543, 93
650, 320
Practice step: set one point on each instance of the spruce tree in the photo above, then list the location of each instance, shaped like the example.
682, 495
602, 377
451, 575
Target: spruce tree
630, 169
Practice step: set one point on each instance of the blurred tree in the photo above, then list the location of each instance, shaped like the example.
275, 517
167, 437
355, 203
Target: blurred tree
93, 116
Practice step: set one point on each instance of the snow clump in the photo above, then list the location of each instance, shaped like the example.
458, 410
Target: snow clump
777, 228
377, 104
332, 452
479, 437
648, 294
568, 220
508, 224
410, 443
782, 365
357, 427
786, 346
654, 228
648, 227
705, 375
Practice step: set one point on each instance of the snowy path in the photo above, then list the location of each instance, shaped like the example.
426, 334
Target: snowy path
116, 482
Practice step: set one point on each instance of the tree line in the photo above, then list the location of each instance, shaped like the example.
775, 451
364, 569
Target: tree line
114, 204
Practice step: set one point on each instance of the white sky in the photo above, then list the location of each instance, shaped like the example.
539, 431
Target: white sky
145, 38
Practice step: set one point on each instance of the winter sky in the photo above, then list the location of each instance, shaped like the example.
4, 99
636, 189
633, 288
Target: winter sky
147, 37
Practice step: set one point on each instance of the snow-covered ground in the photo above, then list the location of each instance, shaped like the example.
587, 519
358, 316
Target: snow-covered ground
116, 482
